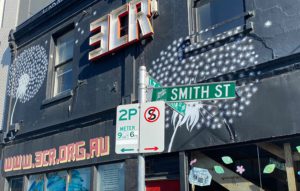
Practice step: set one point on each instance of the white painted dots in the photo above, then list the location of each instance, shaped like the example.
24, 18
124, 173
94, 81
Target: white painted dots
27, 73
202, 66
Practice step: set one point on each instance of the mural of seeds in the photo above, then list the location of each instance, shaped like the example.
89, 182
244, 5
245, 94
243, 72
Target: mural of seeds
188, 62
27, 74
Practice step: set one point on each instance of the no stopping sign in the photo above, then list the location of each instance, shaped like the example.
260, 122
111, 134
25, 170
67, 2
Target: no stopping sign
152, 114
152, 127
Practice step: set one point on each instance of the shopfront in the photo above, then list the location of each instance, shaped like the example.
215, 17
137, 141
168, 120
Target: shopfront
77, 61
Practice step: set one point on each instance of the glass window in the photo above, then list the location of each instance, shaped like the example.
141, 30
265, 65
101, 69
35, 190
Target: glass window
79, 179
57, 181
273, 165
36, 182
111, 177
63, 63
208, 13
2, 4
16, 184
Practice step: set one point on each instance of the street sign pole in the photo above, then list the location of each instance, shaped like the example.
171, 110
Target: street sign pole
142, 99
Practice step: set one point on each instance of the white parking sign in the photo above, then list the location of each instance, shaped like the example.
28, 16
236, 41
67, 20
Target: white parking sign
127, 132
152, 127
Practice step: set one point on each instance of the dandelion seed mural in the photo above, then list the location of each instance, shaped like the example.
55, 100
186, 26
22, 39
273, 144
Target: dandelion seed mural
27, 75
184, 62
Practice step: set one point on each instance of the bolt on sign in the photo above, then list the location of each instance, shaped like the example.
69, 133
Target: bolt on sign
108, 33
179, 107
140, 128
205, 91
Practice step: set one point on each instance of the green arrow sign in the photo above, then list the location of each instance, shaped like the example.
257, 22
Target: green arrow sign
180, 107
207, 91
126, 150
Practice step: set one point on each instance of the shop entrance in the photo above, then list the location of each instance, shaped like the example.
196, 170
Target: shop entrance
163, 185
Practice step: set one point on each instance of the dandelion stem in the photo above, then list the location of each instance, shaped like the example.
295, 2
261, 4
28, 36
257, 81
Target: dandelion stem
172, 139
13, 111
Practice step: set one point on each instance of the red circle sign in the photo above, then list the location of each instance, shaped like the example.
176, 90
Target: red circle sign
152, 114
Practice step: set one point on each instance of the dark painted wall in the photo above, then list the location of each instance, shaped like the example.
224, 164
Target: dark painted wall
107, 81
263, 60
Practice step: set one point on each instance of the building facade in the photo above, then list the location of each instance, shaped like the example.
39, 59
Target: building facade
12, 13
78, 60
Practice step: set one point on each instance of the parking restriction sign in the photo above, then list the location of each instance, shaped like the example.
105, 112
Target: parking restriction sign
152, 127
127, 129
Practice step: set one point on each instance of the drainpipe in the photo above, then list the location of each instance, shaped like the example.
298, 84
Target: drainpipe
13, 49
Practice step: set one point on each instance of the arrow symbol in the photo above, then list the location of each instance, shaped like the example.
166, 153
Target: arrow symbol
151, 149
126, 150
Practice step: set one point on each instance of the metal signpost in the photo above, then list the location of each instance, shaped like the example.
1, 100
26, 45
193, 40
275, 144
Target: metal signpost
205, 91
140, 127
142, 99
152, 127
127, 132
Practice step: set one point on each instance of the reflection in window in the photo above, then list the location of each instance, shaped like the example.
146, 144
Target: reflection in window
63, 62
79, 179
111, 177
57, 181
36, 182
236, 167
273, 171
16, 184
207, 13
268, 166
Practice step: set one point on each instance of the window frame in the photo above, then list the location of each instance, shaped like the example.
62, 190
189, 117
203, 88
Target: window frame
193, 22
120, 166
9, 181
52, 94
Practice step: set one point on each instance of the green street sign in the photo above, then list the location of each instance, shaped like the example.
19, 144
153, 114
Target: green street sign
205, 91
179, 107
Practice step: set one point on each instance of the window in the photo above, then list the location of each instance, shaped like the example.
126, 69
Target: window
64, 46
79, 179
57, 181
207, 13
36, 182
16, 184
111, 177
2, 4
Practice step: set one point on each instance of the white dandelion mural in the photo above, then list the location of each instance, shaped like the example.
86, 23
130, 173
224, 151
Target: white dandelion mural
27, 74
184, 62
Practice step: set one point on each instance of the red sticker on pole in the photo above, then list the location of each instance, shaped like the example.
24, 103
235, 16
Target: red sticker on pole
152, 114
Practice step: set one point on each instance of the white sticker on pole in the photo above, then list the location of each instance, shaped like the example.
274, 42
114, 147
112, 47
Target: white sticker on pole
152, 127
127, 129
